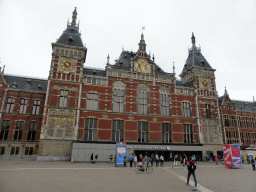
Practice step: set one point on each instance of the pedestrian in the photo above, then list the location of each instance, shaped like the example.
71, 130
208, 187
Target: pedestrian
216, 160
185, 161
176, 160
152, 160
125, 161
162, 160
253, 163
96, 158
131, 160
157, 160
111, 158
191, 170
92, 158
140, 157
135, 160
148, 160
247, 159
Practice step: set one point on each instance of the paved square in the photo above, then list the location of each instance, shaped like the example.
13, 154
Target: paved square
30, 176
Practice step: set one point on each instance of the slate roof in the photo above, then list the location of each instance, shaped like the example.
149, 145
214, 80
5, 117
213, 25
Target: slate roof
22, 83
187, 84
94, 71
124, 61
75, 36
195, 59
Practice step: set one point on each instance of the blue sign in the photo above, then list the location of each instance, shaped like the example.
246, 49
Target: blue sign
236, 157
120, 154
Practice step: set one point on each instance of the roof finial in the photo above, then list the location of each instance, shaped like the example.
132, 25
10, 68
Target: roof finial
193, 40
253, 98
122, 48
153, 58
226, 92
108, 59
74, 17
173, 68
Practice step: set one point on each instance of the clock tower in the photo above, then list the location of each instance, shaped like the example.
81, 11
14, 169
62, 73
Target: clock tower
199, 72
63, 97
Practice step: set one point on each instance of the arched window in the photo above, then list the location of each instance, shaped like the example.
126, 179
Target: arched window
118, 96
165, 100
142, 98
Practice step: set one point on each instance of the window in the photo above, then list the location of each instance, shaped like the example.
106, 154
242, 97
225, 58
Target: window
2, 149
254, 138
188, 133
142, 131
32, 131
186, 109
166, 133
226, 120
239, 122
63, 98
5, 130
15, 150
233, 119
228, 135
10, 105
36, 107
18, 130
252, 122
90, 133
228, 106
118, 130
142, 102
23, 106
248, 138
208, 111
165, 104
245, 122
118, 100
29, 151
92, 101
236, 138
242, 137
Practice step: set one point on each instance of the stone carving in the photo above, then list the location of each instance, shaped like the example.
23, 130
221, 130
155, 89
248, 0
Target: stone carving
70, 113
50, 132
61, 112
142, 87
68, 133
177, 120
105, 116
119, 85
211, 138
205, 139
155, 119
164, 89
59, 133
131, 117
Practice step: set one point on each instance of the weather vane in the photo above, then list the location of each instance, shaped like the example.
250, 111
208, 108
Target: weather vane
143, 28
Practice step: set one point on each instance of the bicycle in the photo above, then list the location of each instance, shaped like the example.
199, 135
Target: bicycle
140, 169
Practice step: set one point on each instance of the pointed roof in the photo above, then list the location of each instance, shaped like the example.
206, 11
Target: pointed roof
195, 58
71, 36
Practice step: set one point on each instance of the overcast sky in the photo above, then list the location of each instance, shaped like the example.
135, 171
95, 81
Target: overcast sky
225, 30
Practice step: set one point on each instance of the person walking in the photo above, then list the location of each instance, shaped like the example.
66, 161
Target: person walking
111, 158
135, 159
175, 160
216, 159
157, 160
253, 163
191, 170
125, 161
96, 158
148, 160
162, 160
152, 160
92, 158
131, 160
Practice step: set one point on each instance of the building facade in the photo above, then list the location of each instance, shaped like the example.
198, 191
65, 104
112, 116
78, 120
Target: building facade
81, 110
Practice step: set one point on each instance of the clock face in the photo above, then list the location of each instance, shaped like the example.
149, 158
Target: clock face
142, 66
67, 64
204, 83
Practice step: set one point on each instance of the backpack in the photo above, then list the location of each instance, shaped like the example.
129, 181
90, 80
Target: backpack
191, 166
252, 161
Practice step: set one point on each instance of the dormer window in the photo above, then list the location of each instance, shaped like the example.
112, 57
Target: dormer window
14, 85
28, 82
186, 65
72, 30
94, 73
202, 63
70, 41
39, 88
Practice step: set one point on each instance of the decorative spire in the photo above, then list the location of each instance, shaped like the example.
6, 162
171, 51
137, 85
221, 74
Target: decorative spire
226, 92
74, 17
108, 59
142, 44
193, 39
153, 58
173, 68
